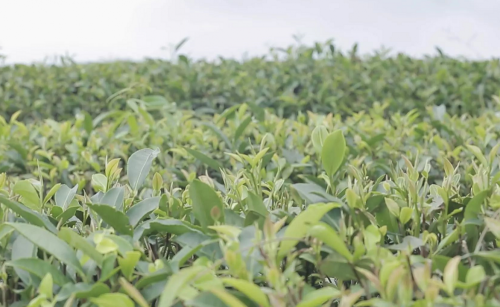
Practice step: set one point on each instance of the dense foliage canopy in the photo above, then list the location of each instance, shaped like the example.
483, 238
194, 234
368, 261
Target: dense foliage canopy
365, 182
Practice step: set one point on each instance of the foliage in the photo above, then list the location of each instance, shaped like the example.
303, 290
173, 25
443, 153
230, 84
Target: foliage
151, 204
318, 78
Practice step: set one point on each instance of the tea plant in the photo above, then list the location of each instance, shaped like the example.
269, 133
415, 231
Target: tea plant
252, 237
318, 78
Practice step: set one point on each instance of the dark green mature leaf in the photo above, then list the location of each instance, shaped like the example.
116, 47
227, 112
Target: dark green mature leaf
138, 211
49, 243
65, 195
207, 206
164, 226
39, 268
116, 219
113, 198
256, 205
204, 158
31, 216
82, 290
138, 166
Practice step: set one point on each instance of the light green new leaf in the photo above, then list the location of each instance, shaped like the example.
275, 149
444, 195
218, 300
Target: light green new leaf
29, 196
138, 211
138, 166
46, 286
333, 152
128, 263
176, 284
206, 204
51, 193
49, 243
330, 237
29, 215
133, 292
319, 297
318, 136
78, 242
250, 289
112, 300
450, 274
479, 155
301, 224
475, 275
227, 298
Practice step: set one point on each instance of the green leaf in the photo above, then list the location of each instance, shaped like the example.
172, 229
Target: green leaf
29, 195
450, 274
318, 137
138, 166
475, 275
51, 193
330, 237
138, 211
493, 225
256, 205
479, 155
250, 289
227, 298
82, 290
112, 300
65, 195
99, 182
29, 215
78, 242
204, 158
113, 198
219, 133
301, 224
405, 215
176, 284
241, 128
473, 207
39, 268
116, 219
49, 243
133, 292
171, 226
319, 297
128, 263
207, 206
46, 286
332, 154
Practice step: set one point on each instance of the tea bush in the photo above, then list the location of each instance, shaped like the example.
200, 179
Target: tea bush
316, 78
144, 202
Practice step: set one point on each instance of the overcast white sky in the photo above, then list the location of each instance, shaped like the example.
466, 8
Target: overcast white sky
96, 30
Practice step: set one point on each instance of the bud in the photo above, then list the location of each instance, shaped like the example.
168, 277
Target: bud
3, 179
157, 182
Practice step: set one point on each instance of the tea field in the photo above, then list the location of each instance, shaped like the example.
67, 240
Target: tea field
305, 178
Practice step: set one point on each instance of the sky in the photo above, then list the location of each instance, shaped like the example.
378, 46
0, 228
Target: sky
104, 30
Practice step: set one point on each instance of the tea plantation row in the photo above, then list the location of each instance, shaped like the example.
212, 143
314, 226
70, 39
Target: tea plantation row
300, 78
155, 205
